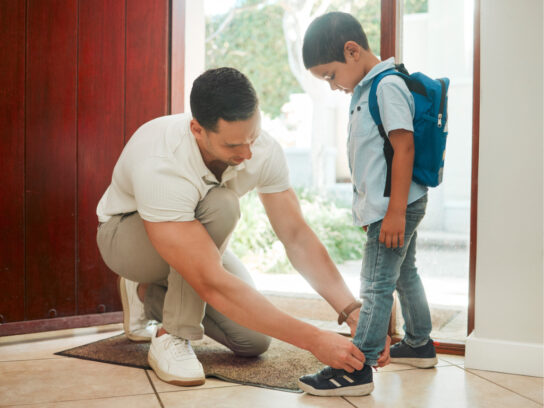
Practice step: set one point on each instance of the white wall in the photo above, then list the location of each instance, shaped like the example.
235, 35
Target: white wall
195, 50
509, 319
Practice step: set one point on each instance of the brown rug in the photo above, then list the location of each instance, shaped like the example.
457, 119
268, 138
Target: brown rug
278, 368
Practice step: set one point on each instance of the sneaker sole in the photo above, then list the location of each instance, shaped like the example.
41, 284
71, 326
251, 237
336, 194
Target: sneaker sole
170, 379
351, 391
126, 317
416, 362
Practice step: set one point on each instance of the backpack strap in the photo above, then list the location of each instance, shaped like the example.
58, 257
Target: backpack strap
374, 109
375, 113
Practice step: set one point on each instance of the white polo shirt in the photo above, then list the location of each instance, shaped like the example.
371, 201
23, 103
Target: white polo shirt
161, 173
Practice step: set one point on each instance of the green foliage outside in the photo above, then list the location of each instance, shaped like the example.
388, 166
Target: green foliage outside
416, 6
253, 42
256, 244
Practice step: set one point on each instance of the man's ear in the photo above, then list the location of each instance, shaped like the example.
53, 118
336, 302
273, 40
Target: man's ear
352, 50
198, 131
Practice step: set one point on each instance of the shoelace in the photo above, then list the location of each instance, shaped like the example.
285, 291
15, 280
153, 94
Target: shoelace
182, 349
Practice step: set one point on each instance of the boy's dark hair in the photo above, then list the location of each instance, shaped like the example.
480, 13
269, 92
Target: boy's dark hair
325, 38
223, 93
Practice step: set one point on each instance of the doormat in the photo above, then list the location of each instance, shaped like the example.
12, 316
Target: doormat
278, 368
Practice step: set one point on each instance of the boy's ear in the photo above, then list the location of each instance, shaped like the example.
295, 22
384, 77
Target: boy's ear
352, 50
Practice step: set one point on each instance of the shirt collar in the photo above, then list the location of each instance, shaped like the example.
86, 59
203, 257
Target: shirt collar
377, 69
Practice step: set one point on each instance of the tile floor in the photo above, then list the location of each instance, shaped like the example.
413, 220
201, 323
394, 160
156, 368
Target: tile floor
31, 375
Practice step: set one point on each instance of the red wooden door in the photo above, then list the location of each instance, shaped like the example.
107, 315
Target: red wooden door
77, 78
12, 153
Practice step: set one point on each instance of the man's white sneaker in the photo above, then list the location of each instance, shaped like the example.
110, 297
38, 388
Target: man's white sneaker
174, 361
137, 326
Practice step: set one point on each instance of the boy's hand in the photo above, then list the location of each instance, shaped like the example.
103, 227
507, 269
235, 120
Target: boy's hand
385, 357
392, 231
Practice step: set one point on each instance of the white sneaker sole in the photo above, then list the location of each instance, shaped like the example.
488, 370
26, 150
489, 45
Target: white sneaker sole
416, 362
126, 316
351, 391
169, 378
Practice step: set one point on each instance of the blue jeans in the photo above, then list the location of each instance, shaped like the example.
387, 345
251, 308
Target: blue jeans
383, 270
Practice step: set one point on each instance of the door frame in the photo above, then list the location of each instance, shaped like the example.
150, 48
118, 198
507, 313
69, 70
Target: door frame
389, 47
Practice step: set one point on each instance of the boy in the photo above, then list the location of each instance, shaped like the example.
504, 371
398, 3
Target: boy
336, 50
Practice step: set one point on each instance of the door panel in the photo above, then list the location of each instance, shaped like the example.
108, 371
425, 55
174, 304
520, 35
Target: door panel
147, 59
100, 104
51, 159
12, 129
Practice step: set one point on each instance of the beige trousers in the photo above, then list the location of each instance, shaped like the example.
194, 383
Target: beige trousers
127, 250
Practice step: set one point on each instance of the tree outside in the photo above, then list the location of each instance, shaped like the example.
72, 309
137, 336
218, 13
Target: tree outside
254, 37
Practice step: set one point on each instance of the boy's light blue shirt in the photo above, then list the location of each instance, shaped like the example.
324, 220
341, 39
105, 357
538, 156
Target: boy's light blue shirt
365, 145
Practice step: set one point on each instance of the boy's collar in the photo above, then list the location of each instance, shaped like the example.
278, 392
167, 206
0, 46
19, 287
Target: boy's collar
376, 69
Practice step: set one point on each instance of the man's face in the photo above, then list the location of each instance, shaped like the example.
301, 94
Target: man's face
231, 142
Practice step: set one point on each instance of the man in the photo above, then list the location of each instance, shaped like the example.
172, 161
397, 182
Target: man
166, 219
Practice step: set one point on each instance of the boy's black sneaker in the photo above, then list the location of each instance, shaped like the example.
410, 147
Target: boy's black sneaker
421, 357
331, 382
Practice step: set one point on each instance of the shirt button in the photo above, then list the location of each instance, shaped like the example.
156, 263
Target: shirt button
352, 112
358, 108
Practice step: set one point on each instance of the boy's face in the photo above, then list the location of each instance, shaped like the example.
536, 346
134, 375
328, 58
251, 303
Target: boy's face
343, 76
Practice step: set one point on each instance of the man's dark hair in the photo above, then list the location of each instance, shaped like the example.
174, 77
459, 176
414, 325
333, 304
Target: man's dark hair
325, 38
223, 93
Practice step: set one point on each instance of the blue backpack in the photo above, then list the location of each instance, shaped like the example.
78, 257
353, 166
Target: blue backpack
430, 125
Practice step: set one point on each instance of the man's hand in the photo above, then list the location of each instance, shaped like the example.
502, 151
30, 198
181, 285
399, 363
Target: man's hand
337, 351
392, 231
385, 357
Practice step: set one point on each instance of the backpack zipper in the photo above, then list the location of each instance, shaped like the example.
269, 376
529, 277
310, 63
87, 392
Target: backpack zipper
442, 100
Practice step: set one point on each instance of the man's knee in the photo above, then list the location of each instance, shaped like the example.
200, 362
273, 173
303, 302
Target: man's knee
219, 203
251, 346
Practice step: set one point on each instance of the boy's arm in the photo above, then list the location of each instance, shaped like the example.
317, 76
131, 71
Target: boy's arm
393, 224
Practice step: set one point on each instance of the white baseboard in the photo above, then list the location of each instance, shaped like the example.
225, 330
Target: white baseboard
504, 356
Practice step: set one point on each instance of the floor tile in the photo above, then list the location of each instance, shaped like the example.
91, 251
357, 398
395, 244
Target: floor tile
42, 348
404, 367
444, 387
247, 397
530, 387
66, 379
60, 333
161, 386
136, 401
453, 359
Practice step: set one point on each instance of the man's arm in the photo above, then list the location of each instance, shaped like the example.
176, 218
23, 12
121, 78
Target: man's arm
394, 222
306, 252
188, 248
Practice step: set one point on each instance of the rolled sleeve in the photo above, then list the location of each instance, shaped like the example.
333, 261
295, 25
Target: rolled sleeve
274, 176
396, 104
